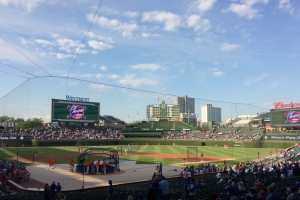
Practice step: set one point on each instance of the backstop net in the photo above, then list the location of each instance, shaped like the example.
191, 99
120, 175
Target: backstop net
192, 154
26, 157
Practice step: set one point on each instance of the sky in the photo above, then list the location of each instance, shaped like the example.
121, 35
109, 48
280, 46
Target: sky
240, 55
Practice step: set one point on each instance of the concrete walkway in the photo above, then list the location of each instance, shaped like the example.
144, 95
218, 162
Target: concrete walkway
130, 172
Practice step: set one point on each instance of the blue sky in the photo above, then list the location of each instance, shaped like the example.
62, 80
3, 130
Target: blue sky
237, 51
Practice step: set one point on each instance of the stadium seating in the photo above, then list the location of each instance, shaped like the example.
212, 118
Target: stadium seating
176, 189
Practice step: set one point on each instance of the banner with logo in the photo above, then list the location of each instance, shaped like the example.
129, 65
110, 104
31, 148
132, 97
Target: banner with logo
281, 137
15, 137
237, 144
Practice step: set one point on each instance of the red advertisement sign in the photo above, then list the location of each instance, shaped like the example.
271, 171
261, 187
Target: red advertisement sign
281, 105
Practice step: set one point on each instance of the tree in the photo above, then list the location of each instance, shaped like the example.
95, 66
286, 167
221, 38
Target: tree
30, 124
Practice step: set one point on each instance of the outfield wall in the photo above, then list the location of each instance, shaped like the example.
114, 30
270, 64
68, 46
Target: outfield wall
149, 141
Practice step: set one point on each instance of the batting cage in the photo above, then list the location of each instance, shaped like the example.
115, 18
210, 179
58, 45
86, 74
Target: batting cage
192, 154
109, 156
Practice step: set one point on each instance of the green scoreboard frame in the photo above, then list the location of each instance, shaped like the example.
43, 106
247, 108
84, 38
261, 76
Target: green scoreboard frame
285, 117
74, 111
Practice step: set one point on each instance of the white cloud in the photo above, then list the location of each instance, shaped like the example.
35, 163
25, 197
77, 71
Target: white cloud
286, 6
99, 45
198, 23
29, 5
68, 45
252, 80
246, 9
146, 66
100, 37
103, 68
216, 72
205, 5
48, 116
114, 76
61, 55
131, 14
44, 43
36, 116
170, 20
129, 79
126, 29
99, 87
146, 35
235, 65
229, 47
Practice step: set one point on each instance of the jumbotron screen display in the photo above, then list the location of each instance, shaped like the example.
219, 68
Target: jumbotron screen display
74, 111
286, 117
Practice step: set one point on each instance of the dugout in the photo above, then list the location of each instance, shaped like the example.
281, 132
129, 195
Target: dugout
109, 155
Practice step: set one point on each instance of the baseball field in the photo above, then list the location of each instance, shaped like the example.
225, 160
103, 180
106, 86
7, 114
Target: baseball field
143, 154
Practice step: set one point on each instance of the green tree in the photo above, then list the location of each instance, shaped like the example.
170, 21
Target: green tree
30, 124
7, 118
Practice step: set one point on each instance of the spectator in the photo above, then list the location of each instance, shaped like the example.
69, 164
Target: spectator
164, 187
293, 194
296, 170
241, 188
58, 189
47, 192
52, 190
272, 195
261, 195
257, 183
250, 195
297, 185
110, 190
193, 186
155, 184
233, 189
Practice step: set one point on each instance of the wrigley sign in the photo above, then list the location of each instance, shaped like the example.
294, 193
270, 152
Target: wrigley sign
281, 105
77, 98
282, 137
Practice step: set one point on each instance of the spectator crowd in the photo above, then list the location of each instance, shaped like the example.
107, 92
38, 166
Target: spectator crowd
52, 133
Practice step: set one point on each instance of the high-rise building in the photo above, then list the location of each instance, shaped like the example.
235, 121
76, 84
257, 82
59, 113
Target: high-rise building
163, 111
187, 105
210, 113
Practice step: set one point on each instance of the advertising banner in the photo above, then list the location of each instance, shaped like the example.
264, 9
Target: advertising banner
282, 137
15, 137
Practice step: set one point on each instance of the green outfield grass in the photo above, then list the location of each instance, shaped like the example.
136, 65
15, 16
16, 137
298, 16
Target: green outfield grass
233, 154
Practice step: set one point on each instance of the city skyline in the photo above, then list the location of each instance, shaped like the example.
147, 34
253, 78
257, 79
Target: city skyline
241, 56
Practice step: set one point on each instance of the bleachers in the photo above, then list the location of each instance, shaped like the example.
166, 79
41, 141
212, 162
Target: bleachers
176, 189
